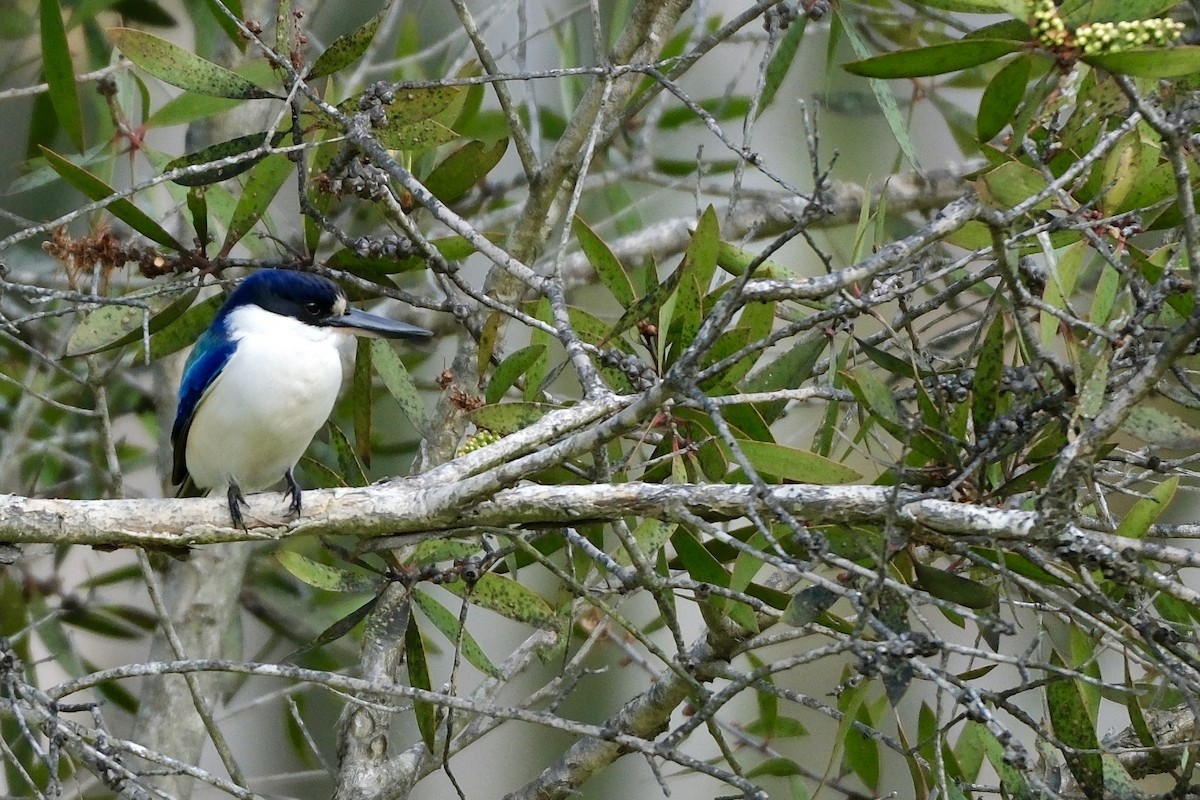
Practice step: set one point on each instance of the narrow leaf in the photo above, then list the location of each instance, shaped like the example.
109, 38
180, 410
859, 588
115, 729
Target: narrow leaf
114, 326
121, 208
178, 67
219, 152
1001, 98
989, 367
418, 678
506, 418
508, 598
1147, 510
447, 625
607, 266
348, 48
955, 588
399, 383
261, 187
323, 576
59, 71
462, 169
781, 61
360, 401
790, 463
510, 370
1074, 727
186, 329
934, 60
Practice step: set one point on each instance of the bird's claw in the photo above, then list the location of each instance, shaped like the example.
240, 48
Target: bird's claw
236, 501
292, 491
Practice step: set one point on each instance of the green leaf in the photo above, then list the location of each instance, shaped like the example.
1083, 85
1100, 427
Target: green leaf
1011, 184
807, 605
506, 418
1077, 12
699, 563
736, 261
424, 135
59, 71
197, 205
121, 208
883, 95
264, 183
870, 389
353, 473
410, 105
1001, 98
336, 631
447, 625
607, 266
399, 383
462, 169
647, 307
360, 400
220, 151
418, 678
1147, 510
323, 576
1158, 62
934, 60
187, 107
861, 750
787, 371
348, 48
178, 67
989, 367
792, 464
184, 330
966, 6
508, 598
115, 326
955, 588
510, 370
680, 320
650, 534
720, 108
890, 363
776, 767
1074, 727
781, 61
1159, 428
1122, 171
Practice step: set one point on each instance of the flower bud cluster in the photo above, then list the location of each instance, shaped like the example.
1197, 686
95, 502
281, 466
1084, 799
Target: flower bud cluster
1094, 38
1047, 25
481, 438
1112, 37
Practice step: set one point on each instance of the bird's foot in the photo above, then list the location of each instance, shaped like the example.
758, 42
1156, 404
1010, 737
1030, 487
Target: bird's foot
292, 491
236, 501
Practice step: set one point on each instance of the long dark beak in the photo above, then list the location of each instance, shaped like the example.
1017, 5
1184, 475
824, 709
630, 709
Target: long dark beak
364, 324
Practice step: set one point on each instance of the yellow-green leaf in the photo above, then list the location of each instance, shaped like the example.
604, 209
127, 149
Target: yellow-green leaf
323, 576
171, 63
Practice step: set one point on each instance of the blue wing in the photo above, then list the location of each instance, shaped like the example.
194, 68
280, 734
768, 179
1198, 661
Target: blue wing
210, 355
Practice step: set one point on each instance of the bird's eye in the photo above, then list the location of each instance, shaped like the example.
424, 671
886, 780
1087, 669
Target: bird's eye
312, 308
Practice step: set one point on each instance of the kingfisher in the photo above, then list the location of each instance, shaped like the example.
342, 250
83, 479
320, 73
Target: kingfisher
262, 380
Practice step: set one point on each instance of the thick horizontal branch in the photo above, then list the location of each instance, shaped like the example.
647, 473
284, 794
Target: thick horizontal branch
403, 508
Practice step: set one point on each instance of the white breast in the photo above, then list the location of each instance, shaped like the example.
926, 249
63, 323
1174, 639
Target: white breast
262, 411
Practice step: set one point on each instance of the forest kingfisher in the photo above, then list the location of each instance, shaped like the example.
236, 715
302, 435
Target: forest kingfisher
262, 380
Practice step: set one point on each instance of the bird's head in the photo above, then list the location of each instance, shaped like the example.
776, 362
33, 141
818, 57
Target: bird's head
314, 301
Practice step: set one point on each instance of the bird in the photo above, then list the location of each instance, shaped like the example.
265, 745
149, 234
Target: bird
261, 381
